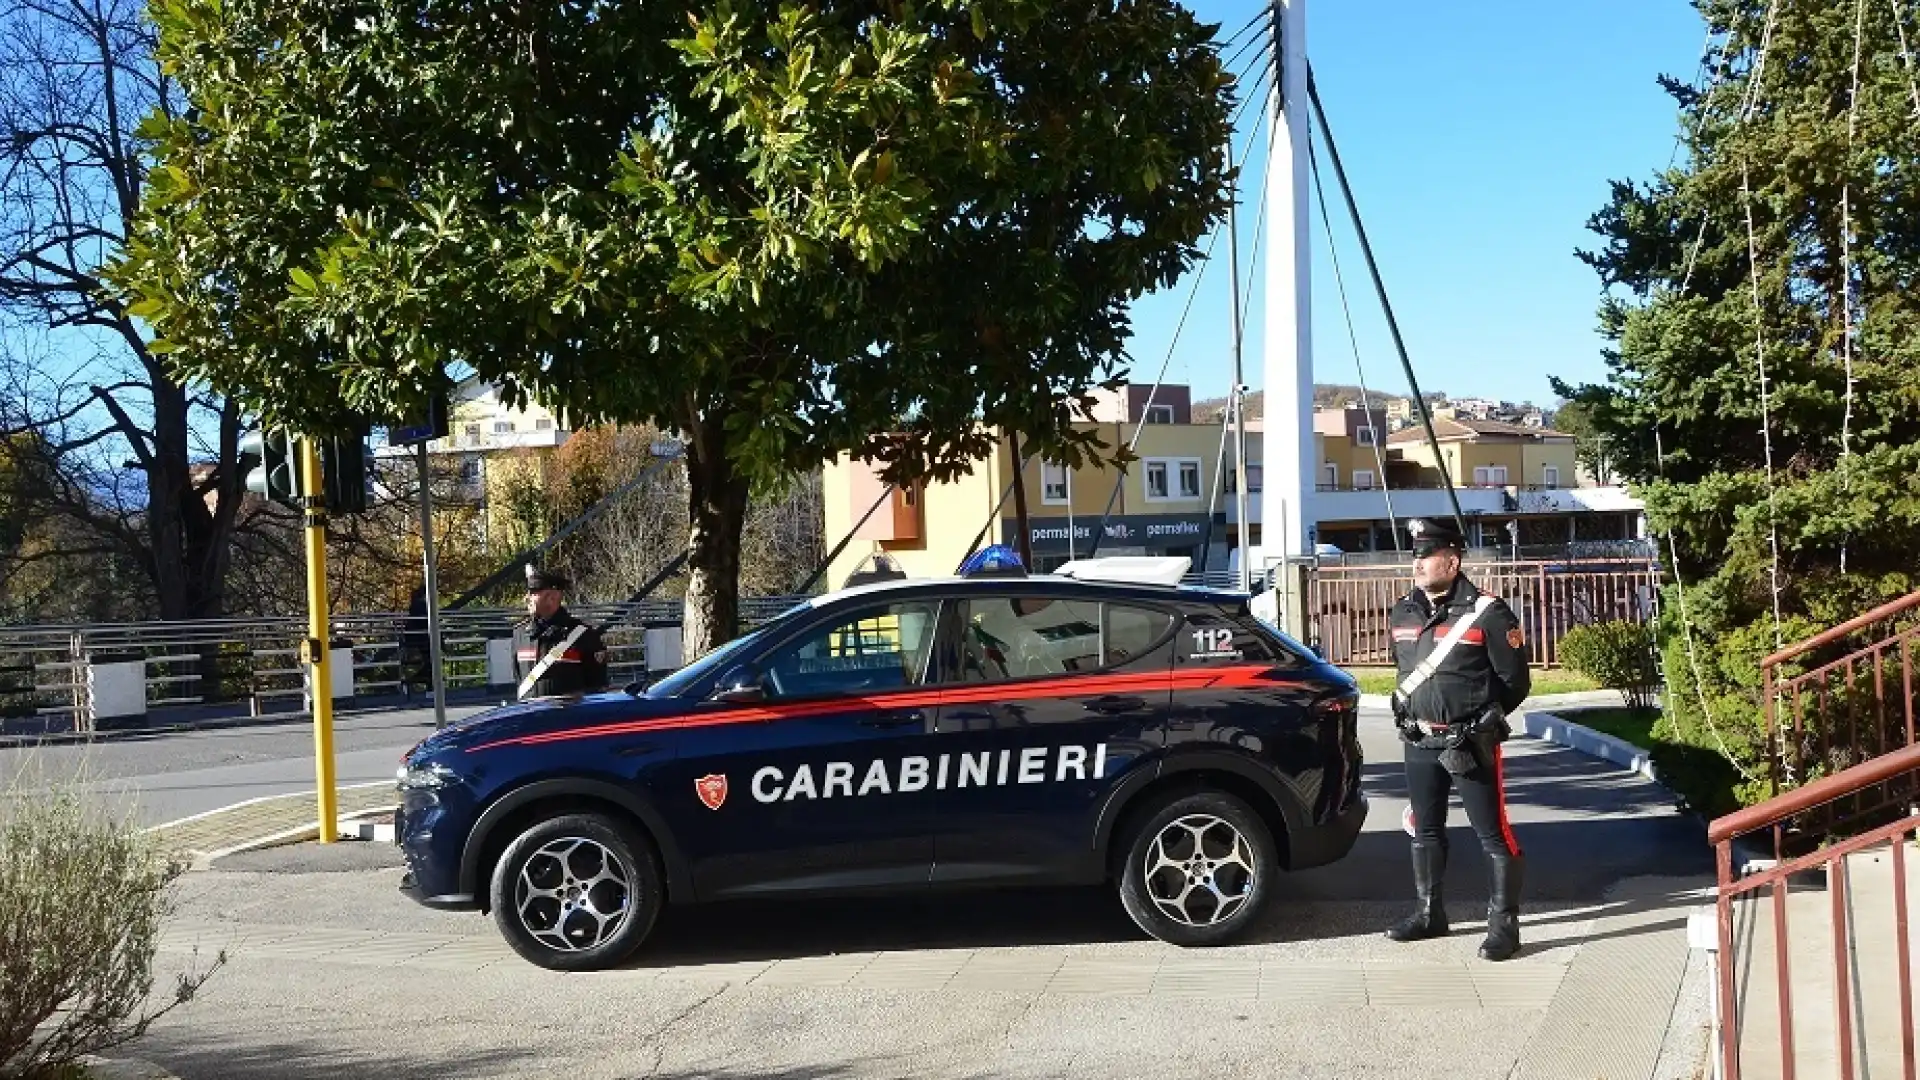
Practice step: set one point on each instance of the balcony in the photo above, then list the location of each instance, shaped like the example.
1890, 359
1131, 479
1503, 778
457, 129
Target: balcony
1371, 504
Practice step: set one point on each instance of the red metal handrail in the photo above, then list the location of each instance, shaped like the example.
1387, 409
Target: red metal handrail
1721, 834
1801, 799
1827, 637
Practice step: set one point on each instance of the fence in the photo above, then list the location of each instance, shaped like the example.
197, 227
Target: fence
1845, 805
82, 678
1349, 606
1831, 705
79, 678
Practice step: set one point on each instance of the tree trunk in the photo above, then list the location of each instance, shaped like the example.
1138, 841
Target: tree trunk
716, 514
190, 542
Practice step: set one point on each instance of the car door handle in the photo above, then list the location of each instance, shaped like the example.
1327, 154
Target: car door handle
899, 718
1116, 704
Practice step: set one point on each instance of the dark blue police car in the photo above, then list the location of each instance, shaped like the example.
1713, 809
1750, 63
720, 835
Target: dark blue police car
926, 734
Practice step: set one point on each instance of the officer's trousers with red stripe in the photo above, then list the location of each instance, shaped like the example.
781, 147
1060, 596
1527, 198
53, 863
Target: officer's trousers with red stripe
1482, 790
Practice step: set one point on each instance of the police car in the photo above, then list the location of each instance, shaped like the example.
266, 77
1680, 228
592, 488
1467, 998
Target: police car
1097, 724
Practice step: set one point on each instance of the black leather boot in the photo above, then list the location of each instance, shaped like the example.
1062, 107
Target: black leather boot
1503, 907
1430, 919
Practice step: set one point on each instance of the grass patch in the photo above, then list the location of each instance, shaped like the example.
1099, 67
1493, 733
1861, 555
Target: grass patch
1705, 781
1628, 725
1382, 680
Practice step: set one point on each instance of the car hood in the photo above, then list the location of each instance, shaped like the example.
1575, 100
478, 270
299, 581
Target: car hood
543, 716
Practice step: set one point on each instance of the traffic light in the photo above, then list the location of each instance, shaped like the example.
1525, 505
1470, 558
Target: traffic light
278, 475
343, 472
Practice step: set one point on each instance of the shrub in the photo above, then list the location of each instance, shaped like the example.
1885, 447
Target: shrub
1618, 655
82, 898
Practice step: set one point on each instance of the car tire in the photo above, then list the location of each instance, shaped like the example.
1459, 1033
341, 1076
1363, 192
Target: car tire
578, 892
1198, 868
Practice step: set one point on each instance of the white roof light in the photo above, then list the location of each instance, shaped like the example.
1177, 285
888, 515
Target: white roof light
1135, 569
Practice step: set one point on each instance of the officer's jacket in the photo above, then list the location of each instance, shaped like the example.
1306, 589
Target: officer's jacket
1487, 666
581, 668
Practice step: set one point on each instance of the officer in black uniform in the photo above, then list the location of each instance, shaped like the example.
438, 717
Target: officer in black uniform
558, 653
1453, 724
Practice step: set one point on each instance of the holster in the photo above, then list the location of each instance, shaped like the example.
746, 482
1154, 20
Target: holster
1470, 745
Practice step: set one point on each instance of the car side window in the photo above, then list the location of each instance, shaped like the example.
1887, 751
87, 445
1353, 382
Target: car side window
1133, 632
1025, 637
1209, 638
886, 647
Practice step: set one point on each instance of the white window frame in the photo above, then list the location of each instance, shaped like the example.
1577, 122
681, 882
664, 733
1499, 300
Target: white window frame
1147, 471
1169, 470
503, 427
1365, 435
1363, 479
1183, 474
1550, 476
1153, 411
544, 423
1330, 474
1488, 476
1054, 475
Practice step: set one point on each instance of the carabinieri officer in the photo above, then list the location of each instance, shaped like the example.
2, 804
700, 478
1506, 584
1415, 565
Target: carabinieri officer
1462, 670
558, 653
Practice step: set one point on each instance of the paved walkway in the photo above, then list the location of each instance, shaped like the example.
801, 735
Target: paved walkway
334, 975
274, 819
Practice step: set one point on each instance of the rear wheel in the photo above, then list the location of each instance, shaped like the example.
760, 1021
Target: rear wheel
577, 893
1198, 868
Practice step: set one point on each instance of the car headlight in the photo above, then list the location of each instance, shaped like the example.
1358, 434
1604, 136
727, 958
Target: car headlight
429, 777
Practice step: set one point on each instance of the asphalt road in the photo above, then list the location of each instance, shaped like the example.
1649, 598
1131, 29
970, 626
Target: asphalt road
165, 777
779, 991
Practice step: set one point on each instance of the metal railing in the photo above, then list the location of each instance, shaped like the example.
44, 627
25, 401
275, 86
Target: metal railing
1845, 780
49, 674
1350, 607
1831, 706
1833, 862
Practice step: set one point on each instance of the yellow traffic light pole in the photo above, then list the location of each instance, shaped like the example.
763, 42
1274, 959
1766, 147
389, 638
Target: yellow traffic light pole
318, 654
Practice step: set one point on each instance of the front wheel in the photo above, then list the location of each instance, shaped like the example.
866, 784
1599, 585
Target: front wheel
1198, 868
577, 893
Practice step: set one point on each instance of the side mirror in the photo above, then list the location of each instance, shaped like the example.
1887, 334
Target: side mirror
741, 685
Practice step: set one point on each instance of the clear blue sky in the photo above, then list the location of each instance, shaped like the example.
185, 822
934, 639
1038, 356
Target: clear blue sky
1479, 137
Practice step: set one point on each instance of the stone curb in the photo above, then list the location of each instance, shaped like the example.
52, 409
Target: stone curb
99, 1068
1549, 727
1577, 697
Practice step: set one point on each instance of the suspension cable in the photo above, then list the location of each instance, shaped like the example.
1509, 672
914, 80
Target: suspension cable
1366, 394
1193, 291
1380, 287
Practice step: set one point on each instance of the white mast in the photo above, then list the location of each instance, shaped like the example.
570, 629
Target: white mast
1289, 463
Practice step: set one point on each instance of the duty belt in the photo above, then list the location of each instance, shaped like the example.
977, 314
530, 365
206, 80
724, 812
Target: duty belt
1428, 729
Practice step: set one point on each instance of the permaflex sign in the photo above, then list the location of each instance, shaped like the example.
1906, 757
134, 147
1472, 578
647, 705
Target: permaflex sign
1053, 534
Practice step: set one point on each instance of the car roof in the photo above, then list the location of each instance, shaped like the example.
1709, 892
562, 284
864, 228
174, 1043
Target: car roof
1030, 583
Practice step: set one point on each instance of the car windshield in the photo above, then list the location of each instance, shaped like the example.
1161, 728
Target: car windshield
677, 683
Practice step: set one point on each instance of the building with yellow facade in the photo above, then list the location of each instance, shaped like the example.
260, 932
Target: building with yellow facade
497, 452
1517, 486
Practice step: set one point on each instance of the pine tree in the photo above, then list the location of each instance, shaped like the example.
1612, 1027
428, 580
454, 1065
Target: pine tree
1785, 237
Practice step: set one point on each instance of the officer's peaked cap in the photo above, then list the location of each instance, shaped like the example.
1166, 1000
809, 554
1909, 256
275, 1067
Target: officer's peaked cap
538, 578
1431, 535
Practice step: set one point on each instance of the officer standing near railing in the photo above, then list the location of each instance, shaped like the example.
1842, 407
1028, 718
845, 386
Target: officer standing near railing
558, 654
1462, 670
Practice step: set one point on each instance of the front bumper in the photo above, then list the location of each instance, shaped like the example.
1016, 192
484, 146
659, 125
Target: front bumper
1328, 842
431, 878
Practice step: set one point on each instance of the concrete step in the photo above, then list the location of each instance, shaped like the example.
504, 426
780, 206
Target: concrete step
1873, 971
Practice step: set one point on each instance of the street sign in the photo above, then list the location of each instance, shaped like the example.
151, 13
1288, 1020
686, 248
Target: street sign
422, 427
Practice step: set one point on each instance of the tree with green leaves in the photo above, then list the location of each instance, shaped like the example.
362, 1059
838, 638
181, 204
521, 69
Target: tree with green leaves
1787, 238
782, 231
